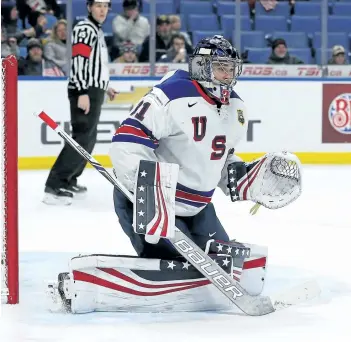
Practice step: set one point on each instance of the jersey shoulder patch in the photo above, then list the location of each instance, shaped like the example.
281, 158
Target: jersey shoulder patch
179, 85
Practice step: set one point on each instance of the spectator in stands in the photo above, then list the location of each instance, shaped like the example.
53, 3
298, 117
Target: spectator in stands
245, 57
130, 26
9, 23
338, 56
128, 53
280, 54
8, 45
292, 6
27, 7
39, 22
163, 39
269, 5
10, 17
177, 52
176, 25
35, 64
55, 49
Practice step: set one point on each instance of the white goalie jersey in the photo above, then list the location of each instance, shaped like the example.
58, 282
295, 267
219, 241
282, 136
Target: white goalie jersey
176, 122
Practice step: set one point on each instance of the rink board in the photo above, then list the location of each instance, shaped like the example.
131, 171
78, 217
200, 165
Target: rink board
293, 115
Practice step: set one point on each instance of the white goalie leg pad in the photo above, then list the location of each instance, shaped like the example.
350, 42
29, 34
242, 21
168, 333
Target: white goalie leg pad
254, 269
121, 283
154, 200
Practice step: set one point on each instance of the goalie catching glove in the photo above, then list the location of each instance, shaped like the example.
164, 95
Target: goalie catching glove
273, 180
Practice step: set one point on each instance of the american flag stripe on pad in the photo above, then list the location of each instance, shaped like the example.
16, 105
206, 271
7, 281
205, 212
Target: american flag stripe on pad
133, 131
193, 197
126, 284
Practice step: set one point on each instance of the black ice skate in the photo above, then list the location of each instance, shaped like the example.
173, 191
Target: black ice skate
57, 196
58, 291
78, 191
63, 291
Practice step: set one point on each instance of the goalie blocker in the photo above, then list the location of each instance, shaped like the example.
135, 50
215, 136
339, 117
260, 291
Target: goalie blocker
153, 214
154, 200
132, 284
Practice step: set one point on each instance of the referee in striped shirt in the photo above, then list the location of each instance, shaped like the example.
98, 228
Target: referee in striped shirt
88, 83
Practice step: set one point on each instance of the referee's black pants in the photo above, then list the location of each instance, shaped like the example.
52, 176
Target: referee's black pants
69, 165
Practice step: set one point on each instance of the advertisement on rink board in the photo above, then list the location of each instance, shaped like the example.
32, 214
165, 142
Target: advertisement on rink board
285, 115
336, 113
249, 70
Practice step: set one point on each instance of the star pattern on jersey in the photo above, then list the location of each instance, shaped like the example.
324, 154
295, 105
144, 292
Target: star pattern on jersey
141, 226
141, 188
141, 200
141, 213
231, 171
143, 173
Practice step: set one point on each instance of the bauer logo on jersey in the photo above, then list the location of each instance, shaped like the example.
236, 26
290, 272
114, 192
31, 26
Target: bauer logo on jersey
241, 117
339, 113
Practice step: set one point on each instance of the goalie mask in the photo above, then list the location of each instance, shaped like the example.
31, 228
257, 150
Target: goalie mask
216, 65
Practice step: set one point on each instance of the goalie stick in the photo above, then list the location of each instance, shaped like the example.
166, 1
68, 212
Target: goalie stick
250, 305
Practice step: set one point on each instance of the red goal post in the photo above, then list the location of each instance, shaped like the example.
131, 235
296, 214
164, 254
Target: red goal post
9, 183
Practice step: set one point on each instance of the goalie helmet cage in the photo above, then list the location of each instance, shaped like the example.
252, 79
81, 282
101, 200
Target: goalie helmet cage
9, 188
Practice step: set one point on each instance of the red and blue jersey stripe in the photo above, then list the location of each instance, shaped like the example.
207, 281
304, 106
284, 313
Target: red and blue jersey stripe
193, 197
133, 131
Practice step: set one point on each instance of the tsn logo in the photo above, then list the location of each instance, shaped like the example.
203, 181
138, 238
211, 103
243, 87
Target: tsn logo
276, 71
201, 263
309, 71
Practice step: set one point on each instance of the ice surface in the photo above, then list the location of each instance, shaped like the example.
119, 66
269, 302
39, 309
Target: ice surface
309, 239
